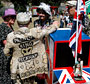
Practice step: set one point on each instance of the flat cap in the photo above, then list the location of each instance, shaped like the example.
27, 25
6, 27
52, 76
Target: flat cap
23, 18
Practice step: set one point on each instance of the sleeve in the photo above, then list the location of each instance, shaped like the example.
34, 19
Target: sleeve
39, 33
2, 34
8, 47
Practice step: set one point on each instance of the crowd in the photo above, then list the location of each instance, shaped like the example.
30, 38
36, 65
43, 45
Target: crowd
24, 52
66, 18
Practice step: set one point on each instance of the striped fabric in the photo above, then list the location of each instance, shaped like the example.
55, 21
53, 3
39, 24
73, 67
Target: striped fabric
81, 17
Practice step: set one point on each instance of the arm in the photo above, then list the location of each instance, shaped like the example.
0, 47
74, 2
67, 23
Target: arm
2, 35
4, 42
8, 46
42, 32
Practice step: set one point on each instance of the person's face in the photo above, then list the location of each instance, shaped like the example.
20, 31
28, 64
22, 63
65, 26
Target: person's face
12, 19
42, 15
71, 11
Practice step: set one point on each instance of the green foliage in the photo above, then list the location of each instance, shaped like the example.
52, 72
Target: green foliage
1, 5
20, 5
50, 2
1, 12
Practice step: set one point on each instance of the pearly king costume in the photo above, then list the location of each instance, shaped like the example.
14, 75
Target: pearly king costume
29, 56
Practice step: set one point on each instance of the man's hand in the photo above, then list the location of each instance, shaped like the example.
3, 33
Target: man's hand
4, 42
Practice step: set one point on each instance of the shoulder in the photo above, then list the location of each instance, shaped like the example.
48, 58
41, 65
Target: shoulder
3, 28
10, 38
2, 25
10, 35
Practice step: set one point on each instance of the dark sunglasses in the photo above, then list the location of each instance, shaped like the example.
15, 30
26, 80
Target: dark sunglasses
13, 17
42, 12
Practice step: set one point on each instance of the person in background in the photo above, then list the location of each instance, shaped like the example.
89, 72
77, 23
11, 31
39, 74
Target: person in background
44, 13
62, 19
53, 14
71, 5
57, 14
86, 30
71, 11
9, 16
30, 14
29, 56
66, 19
44, 21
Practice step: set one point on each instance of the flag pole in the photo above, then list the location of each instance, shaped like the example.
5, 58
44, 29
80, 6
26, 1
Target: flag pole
77, 34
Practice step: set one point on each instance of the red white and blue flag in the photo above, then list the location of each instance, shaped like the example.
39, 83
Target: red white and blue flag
81, 20
65, 76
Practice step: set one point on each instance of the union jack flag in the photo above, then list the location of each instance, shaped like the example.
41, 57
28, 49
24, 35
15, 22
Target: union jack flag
81, 17
65, 76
